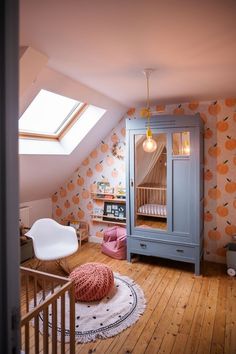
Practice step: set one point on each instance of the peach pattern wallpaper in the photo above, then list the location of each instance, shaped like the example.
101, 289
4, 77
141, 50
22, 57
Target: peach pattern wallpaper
73, 199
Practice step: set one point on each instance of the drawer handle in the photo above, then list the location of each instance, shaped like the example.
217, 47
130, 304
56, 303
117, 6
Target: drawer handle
180, 251
143, 245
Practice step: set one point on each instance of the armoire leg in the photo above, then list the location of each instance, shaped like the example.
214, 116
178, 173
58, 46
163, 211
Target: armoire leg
128, 256
197, 268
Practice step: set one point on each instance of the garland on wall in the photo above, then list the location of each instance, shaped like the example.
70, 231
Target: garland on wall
118, 150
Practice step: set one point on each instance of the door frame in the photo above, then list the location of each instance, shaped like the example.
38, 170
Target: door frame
9, 200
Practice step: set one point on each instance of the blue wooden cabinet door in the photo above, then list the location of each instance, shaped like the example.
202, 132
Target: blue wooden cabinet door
182, 183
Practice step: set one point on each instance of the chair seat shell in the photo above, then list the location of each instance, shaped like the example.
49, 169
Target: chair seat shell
51, 240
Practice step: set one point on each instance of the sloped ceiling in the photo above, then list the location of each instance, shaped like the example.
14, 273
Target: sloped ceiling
105, 44
98, 49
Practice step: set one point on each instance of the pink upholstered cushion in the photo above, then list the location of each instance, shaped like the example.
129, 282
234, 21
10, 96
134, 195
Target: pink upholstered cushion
110, 234
92, 281
114, 242
121, 231
110, 249
121, 242
113, 233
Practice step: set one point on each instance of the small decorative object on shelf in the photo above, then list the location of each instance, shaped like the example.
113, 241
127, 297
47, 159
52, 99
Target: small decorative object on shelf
95, 217
103, 187
121, 192
98, 211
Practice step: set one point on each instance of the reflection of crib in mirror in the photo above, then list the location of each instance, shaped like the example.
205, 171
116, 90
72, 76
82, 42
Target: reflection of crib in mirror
151, 200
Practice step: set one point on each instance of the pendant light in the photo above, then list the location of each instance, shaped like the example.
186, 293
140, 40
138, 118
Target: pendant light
149, 144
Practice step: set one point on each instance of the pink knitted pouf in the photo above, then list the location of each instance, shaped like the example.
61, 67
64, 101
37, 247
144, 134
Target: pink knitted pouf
92, 281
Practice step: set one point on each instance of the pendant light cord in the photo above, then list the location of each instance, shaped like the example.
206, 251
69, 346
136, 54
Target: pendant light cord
148, 92
149, 144
147, 74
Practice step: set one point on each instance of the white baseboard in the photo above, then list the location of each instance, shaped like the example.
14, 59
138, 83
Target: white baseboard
95, 239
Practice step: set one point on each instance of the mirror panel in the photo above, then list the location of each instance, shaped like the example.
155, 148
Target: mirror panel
150, 184
181, 144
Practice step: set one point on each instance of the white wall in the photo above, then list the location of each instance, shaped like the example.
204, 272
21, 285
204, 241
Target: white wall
38, 209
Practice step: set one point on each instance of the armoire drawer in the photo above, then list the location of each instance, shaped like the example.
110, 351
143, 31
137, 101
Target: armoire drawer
151, 248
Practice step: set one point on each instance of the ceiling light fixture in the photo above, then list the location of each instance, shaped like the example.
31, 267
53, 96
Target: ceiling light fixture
149, 144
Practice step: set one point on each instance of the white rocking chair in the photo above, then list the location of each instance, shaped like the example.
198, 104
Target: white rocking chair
53, 242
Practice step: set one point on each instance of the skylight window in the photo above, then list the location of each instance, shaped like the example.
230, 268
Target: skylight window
55, 125
49, 114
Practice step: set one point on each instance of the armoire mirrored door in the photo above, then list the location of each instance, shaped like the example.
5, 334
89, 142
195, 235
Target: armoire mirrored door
150, 183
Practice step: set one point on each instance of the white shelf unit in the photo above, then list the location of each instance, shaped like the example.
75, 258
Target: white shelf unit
108, 197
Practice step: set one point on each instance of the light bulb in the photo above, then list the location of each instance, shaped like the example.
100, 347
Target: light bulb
149, 145
187, 150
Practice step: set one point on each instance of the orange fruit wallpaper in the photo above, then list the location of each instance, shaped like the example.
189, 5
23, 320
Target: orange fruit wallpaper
73, 201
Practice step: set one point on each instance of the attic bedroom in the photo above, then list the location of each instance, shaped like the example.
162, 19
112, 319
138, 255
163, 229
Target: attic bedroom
126, 228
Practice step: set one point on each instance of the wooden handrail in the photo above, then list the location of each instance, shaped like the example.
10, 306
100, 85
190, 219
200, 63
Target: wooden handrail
39, 274
35, 311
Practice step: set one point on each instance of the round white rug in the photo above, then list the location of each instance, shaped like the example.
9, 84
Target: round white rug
120, 309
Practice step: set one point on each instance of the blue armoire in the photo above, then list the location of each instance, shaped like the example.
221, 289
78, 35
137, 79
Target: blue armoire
165, 189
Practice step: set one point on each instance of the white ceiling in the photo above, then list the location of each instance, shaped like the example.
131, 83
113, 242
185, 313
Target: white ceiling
105, 44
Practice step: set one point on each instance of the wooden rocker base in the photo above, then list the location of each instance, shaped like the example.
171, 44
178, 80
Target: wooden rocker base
42, 265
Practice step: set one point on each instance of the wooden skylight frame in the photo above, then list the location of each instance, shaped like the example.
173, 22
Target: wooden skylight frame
75, 116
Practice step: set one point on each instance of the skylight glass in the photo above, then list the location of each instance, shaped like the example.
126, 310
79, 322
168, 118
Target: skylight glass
48, 114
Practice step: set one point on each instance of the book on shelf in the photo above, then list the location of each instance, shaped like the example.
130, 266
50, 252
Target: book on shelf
98, 212
99, 195
109, 196
120, 196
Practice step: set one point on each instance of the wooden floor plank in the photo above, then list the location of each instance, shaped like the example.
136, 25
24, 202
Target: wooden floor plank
185, 326
218, 337
147, 333
209, 318
233, 343
196, 325
173, 328
156, 342
230, 328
